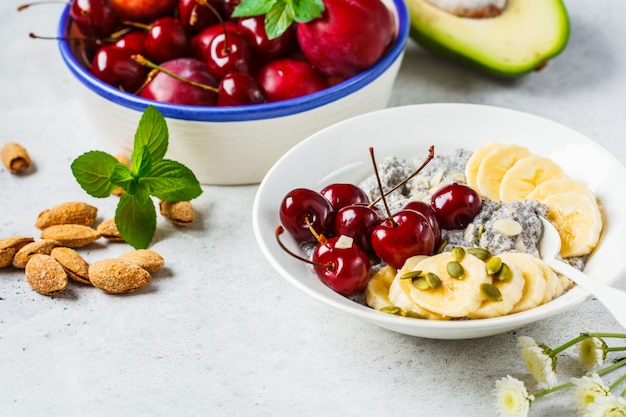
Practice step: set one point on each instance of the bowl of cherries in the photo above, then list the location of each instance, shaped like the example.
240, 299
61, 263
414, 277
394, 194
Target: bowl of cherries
239, 81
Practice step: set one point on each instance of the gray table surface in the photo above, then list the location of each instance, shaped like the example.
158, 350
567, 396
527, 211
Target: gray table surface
218, 332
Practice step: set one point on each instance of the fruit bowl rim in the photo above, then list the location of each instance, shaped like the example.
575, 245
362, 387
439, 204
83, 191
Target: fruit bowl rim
238, 113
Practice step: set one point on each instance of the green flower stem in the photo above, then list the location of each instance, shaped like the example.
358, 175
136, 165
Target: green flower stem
584, 336
602, 371
618, 383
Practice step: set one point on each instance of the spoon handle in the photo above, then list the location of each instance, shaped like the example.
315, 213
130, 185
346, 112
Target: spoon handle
613, 299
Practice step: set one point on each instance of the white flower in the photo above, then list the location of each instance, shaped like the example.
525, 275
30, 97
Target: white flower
539, 363
512, 398
609, 406
592, 352
587, 390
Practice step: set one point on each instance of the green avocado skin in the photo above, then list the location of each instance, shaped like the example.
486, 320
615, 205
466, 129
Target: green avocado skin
420, 35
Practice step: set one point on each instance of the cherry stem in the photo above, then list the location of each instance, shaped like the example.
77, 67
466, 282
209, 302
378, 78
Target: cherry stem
279, 231
431, 155
380, 187
137, 25
219, 18
320, 238
36, 3
145, 62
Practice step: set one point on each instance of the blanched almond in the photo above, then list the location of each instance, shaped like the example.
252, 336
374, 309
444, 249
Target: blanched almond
71, 235
73, 212
118, 276
45, 275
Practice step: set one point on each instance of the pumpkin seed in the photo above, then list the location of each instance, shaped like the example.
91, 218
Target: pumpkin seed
410, 274
493, 265
491, 292
480, 253
505, 273
458, 253
455, 269
391, 309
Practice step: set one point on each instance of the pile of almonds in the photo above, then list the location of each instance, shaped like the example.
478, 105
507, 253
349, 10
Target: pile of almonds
51, 261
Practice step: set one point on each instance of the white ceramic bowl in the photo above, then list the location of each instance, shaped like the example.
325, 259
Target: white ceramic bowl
236, 145
340, 154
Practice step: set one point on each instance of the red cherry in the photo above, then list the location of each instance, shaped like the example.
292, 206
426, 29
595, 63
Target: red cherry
229, 52
287, 78
406, 234
197, 16
94, 18
201, 42
431, 216
114, 66
344, 270
344, 194
350, 36
303, 209
358, 221
167, 39
143, 10
455, 205
253, 30
133, 41
170, 90
239, 88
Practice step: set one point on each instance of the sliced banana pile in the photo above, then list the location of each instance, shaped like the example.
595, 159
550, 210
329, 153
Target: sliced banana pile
465, 283
512, 173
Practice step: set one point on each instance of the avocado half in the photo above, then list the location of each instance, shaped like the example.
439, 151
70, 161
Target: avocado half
520, 39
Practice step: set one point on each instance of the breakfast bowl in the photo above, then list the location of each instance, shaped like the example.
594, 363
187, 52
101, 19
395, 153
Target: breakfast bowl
407, 132
230, 145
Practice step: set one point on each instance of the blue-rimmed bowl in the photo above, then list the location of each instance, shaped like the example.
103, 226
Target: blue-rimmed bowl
234, 145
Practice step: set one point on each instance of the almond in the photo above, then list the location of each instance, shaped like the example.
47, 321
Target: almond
74, 265
43, 246
108, 230
145, 258
116, 276
15, 242
181, 213
71, 235
6, 257
45, 275
73, 212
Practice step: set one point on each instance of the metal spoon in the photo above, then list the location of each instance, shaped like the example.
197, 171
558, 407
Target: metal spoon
613, 299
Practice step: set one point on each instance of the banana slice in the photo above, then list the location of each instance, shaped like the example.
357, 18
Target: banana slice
400, 291
556, 186
511, 290
494, 166
578, 220
553, 283
377, 290
525, 175
474, 161
455, 297
535, 283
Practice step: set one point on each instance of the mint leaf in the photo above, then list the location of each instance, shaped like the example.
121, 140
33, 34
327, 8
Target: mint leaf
92, 171
153, 134
122, 177
307, 10
136, 220
171, 181
253, 8
280, 14
100, 174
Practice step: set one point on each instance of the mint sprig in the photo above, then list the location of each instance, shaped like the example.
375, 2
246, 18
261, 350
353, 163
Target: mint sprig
150, 174
280, 14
